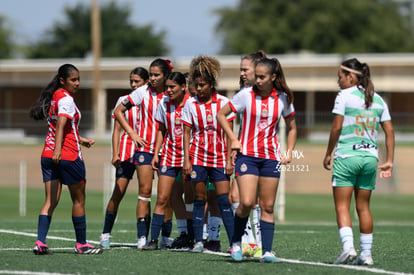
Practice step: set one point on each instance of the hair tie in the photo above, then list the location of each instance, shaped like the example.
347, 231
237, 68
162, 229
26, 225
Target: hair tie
169, 63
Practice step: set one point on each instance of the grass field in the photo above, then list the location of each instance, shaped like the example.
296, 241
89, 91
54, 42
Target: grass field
307, 241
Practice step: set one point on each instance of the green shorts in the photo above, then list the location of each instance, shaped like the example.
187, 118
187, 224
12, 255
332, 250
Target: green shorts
357, 171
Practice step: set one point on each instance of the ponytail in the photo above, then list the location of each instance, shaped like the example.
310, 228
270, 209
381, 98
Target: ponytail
40, 108
279, 83
363, 74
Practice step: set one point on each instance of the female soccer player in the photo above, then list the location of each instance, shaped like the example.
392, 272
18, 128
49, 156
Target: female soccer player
258, 160
251, 243
61, 160
147, 98
170, 137
123, 150
206, 157
358, 112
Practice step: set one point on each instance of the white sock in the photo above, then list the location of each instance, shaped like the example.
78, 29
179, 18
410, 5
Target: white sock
181, 226
256, 224
234, 206
214, 228
248, 236
347, 238
366, 244
205, 232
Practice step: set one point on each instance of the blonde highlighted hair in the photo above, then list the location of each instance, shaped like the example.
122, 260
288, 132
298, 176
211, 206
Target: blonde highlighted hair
206, 67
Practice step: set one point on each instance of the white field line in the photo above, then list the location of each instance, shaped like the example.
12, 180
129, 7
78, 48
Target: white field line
351, 267
24, 272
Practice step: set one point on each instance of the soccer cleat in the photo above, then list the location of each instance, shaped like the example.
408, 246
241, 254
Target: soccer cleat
166, 242
346, 257
367, 260
247, 250
152, 245
269, 257
236, 252
182, 241
142, 241
258, 253
198, 247
213, 246
41, 249
105, 241
87, 249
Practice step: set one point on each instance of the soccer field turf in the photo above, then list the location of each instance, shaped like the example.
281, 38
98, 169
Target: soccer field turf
307, 241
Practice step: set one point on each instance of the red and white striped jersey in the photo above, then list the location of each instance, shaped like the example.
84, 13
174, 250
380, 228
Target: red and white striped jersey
172, 153
126, 146
147, 99
260, 121
62, 104
208, 141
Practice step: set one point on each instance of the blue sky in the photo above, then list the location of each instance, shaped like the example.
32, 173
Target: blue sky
189, 23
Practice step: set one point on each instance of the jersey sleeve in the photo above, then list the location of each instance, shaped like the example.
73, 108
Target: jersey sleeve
288, 109
339, 106
238, 102
66, 107
385, 116
160, 112
186, 114
119, 101
136, 96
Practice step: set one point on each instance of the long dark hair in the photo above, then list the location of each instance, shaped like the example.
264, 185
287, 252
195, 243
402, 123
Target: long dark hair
279, 83
177, 77
40, 108
164, 65
141, 72
363, 74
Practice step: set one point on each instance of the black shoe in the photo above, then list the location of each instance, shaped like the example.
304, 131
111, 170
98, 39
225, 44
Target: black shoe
213, 246
182, 241
152, 245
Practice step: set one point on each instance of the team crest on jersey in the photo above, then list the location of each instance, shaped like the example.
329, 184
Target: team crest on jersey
177, 120
264, 113
178, 131
141, 158
164, 169
209, 118
193, 174
243, 167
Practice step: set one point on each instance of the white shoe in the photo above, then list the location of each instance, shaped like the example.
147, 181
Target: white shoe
346, 257
105, 241
269, 257
142, 241
367, 260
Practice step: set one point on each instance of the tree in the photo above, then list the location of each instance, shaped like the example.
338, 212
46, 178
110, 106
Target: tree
321, 26
6, 44
72, 36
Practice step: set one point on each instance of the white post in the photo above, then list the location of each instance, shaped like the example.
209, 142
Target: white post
280, 201
23, 186
109, 179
